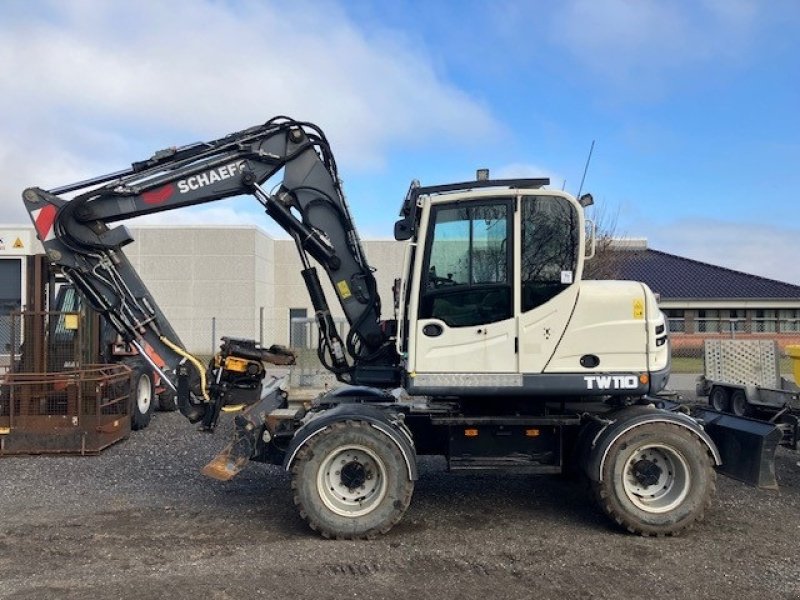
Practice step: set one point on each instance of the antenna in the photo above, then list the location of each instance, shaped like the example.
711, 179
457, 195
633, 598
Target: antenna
585, 169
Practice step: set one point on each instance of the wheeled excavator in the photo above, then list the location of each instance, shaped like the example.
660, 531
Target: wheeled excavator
498, 355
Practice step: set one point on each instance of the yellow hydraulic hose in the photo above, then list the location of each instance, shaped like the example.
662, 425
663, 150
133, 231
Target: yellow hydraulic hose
197, 364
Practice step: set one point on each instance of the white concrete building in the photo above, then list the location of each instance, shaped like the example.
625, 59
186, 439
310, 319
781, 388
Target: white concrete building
212, 281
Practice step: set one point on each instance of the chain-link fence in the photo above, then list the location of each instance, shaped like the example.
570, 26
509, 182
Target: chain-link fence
301, 334
303, 339
689, 330
10, 338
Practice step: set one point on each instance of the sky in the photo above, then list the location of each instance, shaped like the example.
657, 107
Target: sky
692, 105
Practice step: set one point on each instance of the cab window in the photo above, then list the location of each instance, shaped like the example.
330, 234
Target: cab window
468, 264
550, 244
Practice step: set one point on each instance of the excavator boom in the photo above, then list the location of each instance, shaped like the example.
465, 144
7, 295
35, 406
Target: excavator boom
80, 237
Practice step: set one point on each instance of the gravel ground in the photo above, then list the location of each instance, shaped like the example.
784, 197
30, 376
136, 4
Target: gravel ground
139, 521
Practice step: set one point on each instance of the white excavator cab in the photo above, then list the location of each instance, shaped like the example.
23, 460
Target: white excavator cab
495, 300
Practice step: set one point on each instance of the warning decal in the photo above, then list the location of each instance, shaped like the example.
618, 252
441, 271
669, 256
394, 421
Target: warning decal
638, 308
344, 289
43, 221
18, 244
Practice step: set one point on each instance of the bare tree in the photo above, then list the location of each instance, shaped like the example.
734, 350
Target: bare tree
607, 257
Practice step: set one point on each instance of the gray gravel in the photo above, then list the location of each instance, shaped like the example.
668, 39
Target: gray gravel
139, 521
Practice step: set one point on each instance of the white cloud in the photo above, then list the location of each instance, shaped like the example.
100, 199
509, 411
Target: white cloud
633, 42
757, 249
90, 86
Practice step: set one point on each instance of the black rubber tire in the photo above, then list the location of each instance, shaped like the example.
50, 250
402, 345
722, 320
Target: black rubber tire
307, 470
141, 383
739, 404
167, 401
700, 480
719, 399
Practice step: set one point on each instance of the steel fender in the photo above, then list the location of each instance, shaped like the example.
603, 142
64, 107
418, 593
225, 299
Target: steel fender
358, 391
628, 419
381, 418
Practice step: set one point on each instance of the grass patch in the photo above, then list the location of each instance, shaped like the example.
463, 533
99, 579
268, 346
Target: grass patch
684, 364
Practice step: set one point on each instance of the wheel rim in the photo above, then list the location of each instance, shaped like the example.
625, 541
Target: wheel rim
351, 481
656, 478
143, 394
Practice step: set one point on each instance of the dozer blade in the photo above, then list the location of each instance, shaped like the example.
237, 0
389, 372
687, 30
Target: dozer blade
747, 446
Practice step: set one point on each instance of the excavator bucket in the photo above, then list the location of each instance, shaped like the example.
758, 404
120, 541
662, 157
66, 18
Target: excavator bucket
225, 465
747, 446
248, 426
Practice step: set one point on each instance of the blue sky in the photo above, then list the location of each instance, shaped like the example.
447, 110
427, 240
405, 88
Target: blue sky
693, 105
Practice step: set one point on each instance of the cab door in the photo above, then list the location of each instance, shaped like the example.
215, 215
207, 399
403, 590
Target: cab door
550, 265
465, 321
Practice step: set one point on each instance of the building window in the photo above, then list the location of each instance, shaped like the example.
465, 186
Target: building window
737, 319
765, 321
298, 327
707, 321
676, 320
789, 320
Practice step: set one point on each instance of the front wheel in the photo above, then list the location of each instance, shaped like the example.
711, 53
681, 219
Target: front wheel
351, 481
142, 397
657, 479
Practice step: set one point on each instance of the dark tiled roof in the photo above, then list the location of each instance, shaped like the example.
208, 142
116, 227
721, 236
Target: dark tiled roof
674, 276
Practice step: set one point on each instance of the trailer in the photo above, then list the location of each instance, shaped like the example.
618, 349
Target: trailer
745, 390
743, 377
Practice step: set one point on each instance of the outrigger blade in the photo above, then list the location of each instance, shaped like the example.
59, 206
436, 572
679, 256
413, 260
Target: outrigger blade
747, 446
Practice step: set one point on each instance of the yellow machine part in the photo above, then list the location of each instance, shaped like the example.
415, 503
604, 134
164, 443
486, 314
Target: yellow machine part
794, 353
237, 365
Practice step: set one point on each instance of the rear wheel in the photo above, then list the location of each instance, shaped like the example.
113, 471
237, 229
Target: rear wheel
142, 396
739, 404
351, 481
719, 399
657, 479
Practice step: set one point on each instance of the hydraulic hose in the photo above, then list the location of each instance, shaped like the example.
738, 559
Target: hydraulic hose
195, 362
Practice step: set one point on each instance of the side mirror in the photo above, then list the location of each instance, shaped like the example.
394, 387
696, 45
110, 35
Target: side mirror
403, 230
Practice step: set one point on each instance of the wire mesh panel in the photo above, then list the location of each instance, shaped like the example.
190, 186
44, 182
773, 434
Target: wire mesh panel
9, 344
49, 342
746, 362
52, 397
80, 411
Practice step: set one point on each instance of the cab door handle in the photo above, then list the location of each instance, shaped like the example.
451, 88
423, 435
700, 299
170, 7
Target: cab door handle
433, 330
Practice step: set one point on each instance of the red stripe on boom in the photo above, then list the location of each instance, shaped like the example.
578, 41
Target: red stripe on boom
44, 221
158, 195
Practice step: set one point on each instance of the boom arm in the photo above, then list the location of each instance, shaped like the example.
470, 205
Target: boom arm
309, 204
